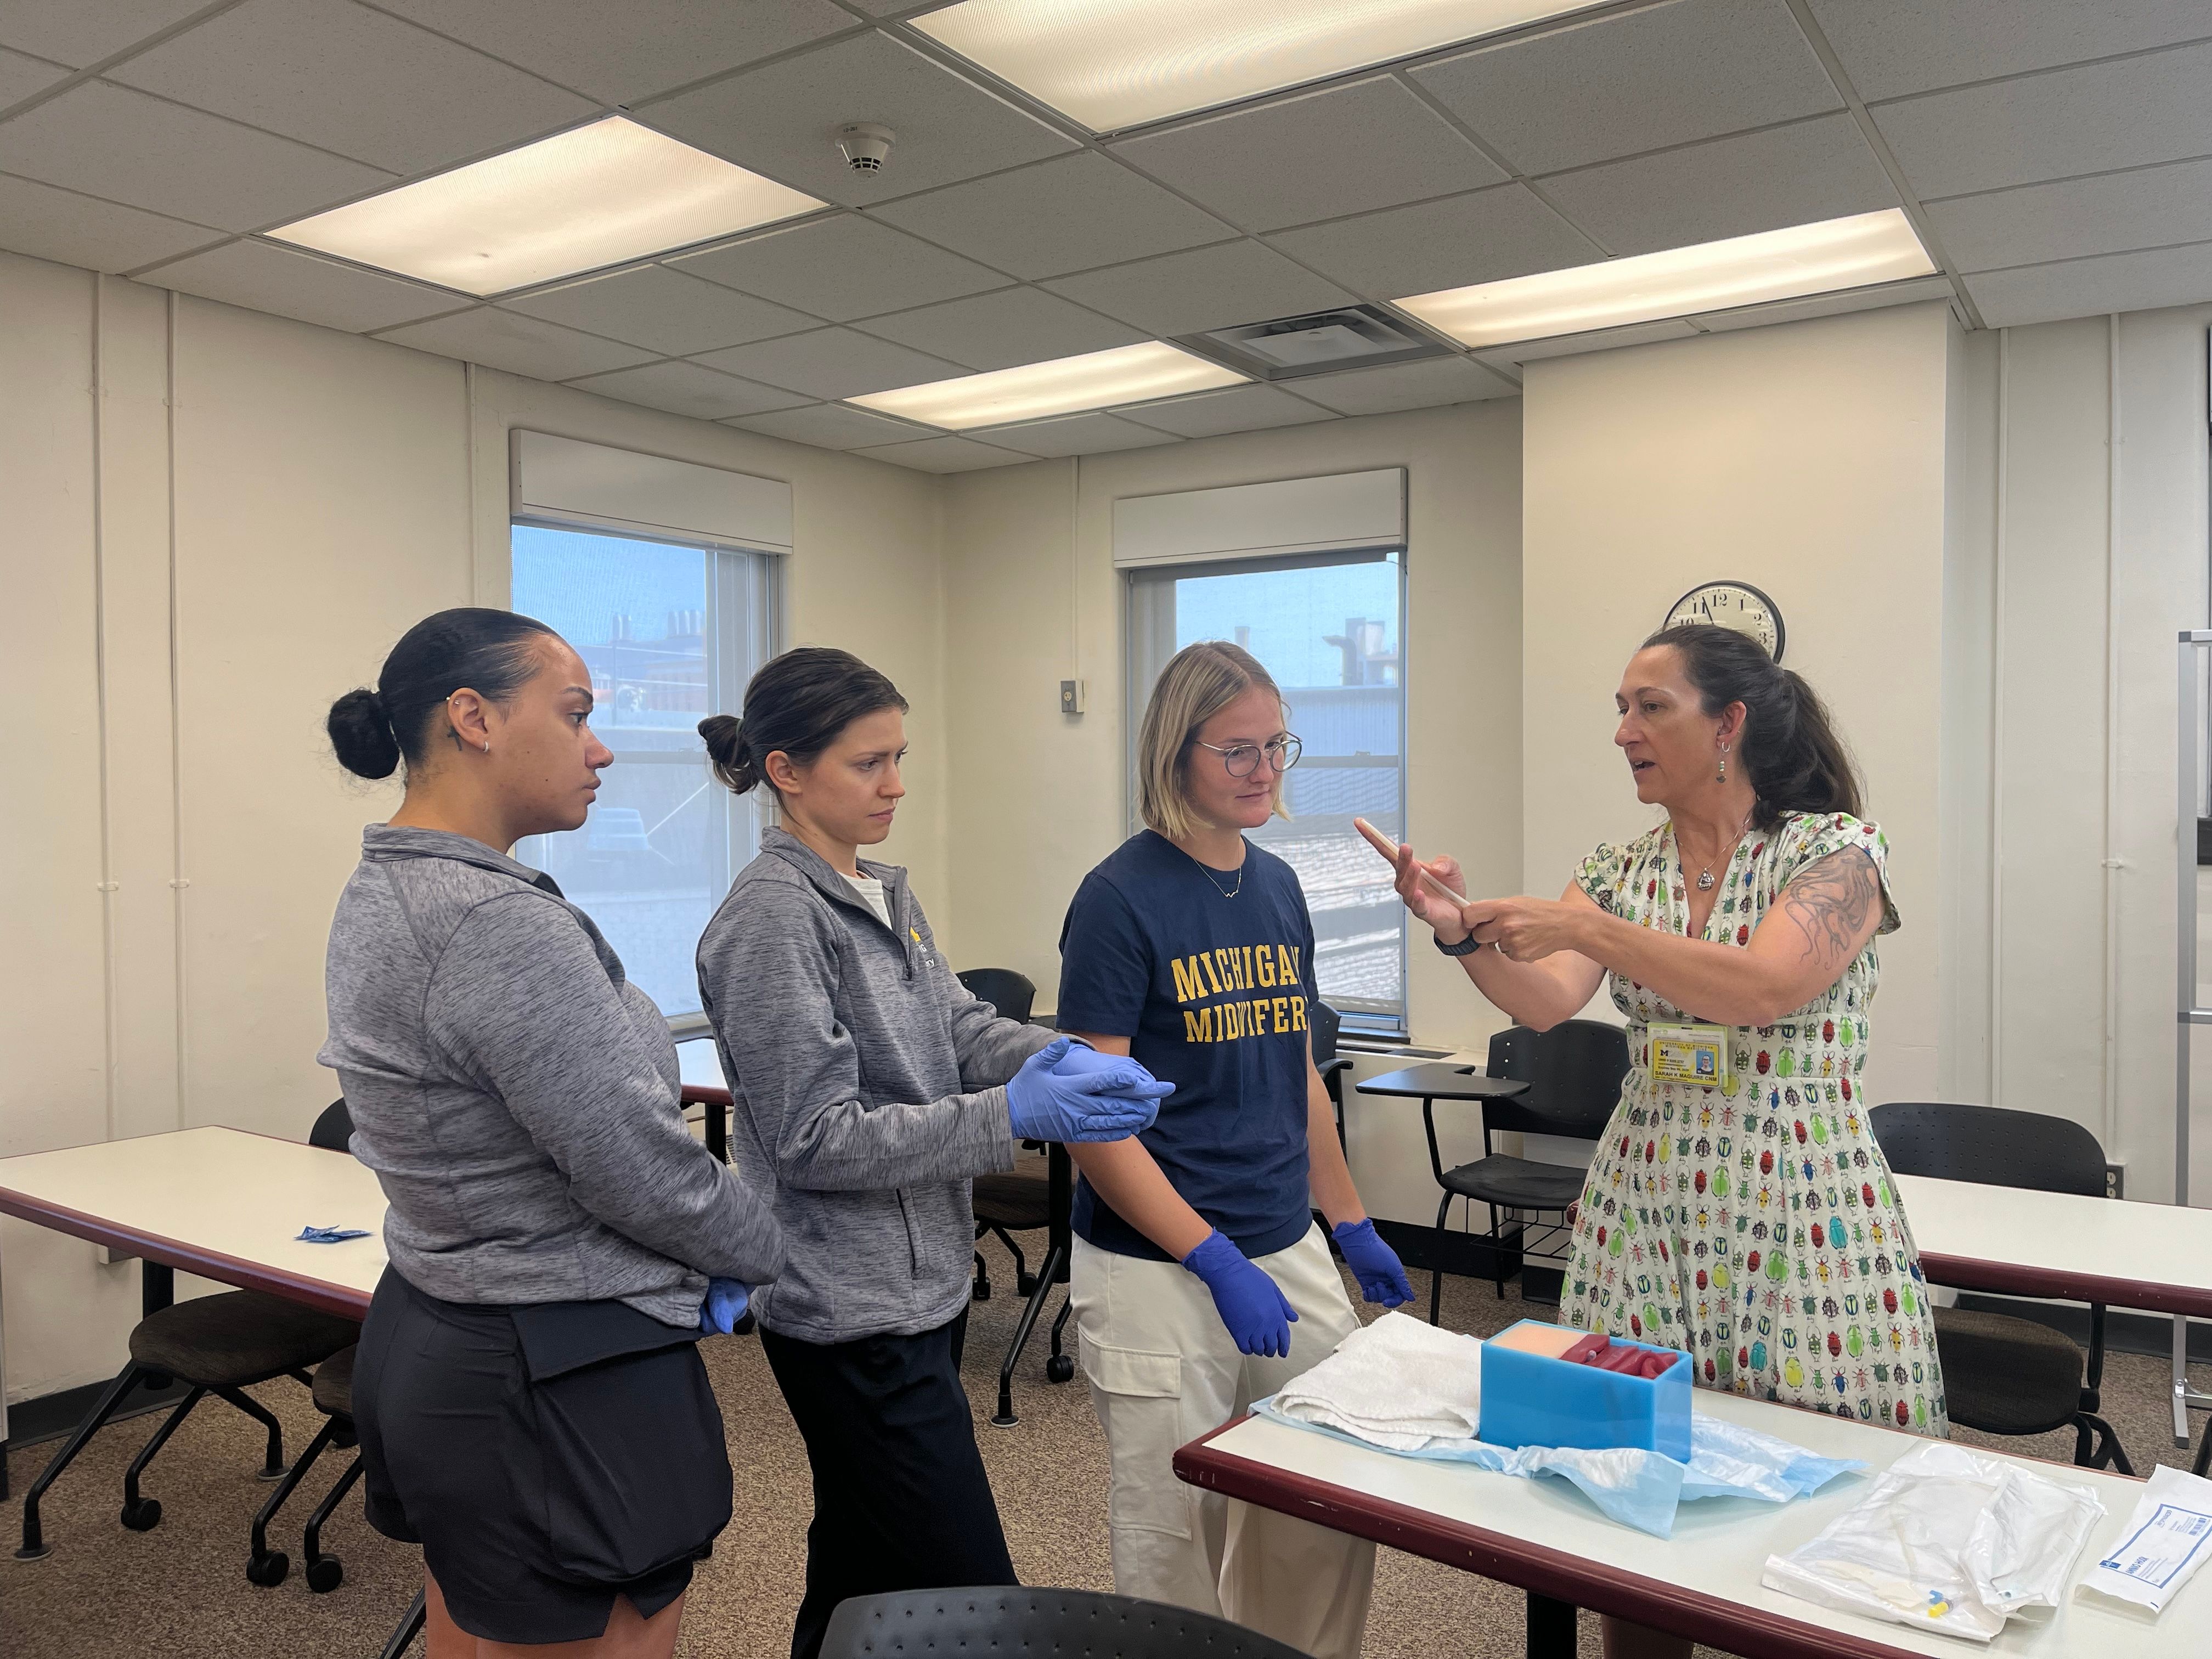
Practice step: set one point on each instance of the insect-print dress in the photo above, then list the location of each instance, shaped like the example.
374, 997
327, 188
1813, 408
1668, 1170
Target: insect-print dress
1755, 1224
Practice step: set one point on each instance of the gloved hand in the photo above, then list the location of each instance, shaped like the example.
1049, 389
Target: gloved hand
1253, 1308
1110, 1102
724, 1307
1381, 1276
1081, 1059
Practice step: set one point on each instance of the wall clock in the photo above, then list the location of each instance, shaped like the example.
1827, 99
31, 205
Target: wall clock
1733, 605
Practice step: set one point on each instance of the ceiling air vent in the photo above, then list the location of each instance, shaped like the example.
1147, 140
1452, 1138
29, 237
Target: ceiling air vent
1320, 342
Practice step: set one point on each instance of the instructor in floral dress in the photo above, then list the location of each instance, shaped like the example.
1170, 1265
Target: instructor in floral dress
1747, 1219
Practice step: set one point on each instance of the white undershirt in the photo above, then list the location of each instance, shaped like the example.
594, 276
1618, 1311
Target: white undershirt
872, 894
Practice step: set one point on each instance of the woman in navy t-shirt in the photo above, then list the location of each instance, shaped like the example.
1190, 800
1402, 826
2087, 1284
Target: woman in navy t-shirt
1200, 1282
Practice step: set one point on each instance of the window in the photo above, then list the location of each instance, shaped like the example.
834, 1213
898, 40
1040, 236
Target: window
671, 634
1327, 626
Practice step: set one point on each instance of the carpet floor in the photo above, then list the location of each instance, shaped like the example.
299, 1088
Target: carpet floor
179, 1591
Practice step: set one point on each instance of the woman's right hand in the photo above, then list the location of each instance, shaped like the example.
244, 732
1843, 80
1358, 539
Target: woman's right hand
1423, 900
1051, 1099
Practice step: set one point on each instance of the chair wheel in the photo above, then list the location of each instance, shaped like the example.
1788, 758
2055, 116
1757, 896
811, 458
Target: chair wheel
269, 1569
1059, 1368
325, 1574
143, 1515
980, 1291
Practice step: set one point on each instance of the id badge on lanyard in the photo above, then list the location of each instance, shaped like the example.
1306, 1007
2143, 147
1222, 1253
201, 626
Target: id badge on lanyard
1699, 1054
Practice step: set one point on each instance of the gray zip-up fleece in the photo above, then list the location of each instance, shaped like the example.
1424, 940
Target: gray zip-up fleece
869, 1089
516, 1095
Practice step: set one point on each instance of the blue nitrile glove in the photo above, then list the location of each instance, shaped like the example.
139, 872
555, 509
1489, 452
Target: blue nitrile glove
724, 1307
1046, 1103
1081, 1059
1381, 1276
1253, 1308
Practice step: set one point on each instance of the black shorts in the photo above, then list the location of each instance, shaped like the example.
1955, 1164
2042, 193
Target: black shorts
547, 1460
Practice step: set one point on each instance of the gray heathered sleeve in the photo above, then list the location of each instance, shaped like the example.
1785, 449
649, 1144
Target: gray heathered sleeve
767, 967
991, 1049
520, 997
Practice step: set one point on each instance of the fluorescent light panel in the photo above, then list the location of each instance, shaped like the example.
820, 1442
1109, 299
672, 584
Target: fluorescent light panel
594, 195
1859, 251
1116, 63
1066, 385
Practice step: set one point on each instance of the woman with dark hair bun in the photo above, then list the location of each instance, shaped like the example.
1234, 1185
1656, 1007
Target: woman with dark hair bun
870, 1087
531, 1405
1738, 1207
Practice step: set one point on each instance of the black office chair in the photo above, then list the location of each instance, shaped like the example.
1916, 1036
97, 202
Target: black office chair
1010, 994
220, 1345
1325, 1021
1072, 1623
1573, 1072
2002, 1374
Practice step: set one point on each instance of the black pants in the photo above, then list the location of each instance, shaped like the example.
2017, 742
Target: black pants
900, 1500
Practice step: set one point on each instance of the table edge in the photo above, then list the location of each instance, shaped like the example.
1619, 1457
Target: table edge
317, 1293
1732, 1626
1499, 1088
1966, 1273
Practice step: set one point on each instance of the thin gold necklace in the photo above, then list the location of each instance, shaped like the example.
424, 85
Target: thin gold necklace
1705, 875
1230, 892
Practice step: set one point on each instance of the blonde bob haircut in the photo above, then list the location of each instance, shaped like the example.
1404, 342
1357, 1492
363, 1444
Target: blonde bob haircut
1199, 682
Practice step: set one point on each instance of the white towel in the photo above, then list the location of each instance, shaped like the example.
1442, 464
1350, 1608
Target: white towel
1399, 1382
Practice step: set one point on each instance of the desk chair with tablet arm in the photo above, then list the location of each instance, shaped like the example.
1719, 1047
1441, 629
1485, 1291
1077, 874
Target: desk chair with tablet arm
1326, 1023
2002, 1374
220, 1345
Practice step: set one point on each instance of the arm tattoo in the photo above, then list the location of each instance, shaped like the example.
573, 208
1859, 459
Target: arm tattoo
1832, 901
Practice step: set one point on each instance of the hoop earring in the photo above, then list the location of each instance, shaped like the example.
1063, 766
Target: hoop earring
487, 746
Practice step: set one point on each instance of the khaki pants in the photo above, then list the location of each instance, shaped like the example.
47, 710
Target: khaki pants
1162, 1371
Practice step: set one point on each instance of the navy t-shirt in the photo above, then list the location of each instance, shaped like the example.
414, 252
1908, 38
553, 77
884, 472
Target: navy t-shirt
1211, 992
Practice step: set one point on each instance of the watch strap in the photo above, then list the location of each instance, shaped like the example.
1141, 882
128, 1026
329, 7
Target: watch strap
1465, 947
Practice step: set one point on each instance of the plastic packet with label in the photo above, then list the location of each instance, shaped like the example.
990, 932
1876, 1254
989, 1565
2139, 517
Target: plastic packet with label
2165, 1541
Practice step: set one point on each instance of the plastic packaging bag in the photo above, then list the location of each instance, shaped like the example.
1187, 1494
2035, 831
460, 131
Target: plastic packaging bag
1946, 1540
2167, 1538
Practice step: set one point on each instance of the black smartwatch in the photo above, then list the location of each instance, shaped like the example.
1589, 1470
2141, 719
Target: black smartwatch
1465, 947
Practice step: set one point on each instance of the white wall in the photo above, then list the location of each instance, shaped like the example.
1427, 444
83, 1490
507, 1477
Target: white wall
197, 560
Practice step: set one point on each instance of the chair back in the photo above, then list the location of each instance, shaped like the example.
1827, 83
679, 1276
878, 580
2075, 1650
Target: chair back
1573, 1072
1992, 1144
333, 1130
1010, 993
1018, 1619
1324, 1022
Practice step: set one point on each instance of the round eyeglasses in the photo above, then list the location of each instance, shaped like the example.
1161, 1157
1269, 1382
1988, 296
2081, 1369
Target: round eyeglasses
1241, 759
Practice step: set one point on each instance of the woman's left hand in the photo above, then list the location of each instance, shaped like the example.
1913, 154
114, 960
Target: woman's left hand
1527, 929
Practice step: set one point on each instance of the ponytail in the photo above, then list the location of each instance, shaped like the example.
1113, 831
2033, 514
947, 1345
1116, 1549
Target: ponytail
1790, 748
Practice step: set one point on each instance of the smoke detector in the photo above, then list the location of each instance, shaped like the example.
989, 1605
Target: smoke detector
864, 146
1320, 342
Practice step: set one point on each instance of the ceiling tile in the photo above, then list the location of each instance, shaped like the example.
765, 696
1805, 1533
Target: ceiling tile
1636, 81
1407, 385
21, 76
998, 331
831, 363
125, 147
1371, 144
1482, 238
520, 345
945, 455
665, 310
1065, 214
841, 269
1573, 345
1240, 409
2092, 119
832, 426
1206, 287
1076, 435
620, 54
2153, 206
338, 74
686, 389
71, 229
265, 277
1892, 47
782, 120
1916, 291
73, 32
2091, 287
1792, 175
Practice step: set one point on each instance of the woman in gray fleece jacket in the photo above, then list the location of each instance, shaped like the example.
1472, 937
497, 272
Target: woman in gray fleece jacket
870, 1087
531, 1405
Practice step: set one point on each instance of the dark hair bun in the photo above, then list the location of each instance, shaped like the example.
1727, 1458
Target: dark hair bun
361, 735
734, 763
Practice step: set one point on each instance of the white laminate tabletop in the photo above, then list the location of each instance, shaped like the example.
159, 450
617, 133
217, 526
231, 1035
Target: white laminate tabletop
222, 1203
1712, 1564
2157, 1257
